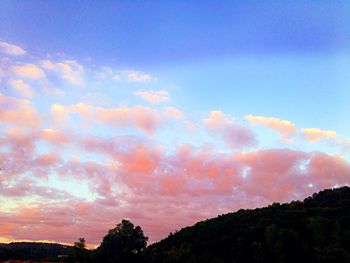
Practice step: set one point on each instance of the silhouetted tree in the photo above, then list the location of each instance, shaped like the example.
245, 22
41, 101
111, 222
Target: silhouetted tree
122, 244
80, 254
80, 244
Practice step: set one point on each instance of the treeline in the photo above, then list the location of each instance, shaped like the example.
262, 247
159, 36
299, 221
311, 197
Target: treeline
315, 230
33, 251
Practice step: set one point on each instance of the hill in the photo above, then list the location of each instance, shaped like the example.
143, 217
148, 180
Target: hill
315, 230
33, 251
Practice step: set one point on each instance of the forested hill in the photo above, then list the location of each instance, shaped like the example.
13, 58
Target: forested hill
33, 251
315, 230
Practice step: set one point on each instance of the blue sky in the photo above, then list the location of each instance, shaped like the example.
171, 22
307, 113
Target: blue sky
288, 51
158, 106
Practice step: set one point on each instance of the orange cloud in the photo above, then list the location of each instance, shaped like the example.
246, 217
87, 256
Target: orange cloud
29, 71
60, 114
18, 112
286, 128
314, 134
55, 137
173, 112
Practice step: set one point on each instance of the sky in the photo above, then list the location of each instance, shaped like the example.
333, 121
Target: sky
166, 112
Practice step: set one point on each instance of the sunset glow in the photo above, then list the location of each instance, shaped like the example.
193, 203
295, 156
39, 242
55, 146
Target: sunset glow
166, 114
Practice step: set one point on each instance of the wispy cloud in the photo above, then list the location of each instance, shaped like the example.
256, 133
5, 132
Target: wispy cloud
153, 96
286, 128
235, 135
11, 49
22, 88
68, 70
29, 71
315, 134
134, 76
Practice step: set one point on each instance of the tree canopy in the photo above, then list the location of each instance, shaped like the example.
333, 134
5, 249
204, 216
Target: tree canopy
315, 230
122, 244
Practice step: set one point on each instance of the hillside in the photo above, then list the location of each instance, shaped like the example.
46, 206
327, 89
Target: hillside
33, 251
315, 230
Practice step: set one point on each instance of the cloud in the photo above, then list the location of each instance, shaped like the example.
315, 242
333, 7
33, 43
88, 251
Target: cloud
22, 88
18, 112
10, 49
153, 96
342, 142
60, 114
286, 128
234, 134
140, 117
141, 180
29, 71
134, 76
55, 137
69, 70
314, 134
127, 174
173, 112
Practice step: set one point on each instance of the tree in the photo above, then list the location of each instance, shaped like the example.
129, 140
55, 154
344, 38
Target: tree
80, 244
79, 253
122, 244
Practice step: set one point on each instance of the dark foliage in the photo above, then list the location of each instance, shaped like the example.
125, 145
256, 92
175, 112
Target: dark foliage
316, 230
33, 251
122, 244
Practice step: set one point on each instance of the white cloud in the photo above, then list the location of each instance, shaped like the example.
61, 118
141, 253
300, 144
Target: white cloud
134, 76
68, 70
23, 88
11, 49
153, 96
173, 112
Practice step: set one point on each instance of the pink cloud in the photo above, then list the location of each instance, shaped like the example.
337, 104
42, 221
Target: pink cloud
138, 178
234, 134
140, 117
173, 112
18, 112
314, 134
150, 186
11, 49
54, 137
153, 96
29, 71
22, 88
286, 128
69, 70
